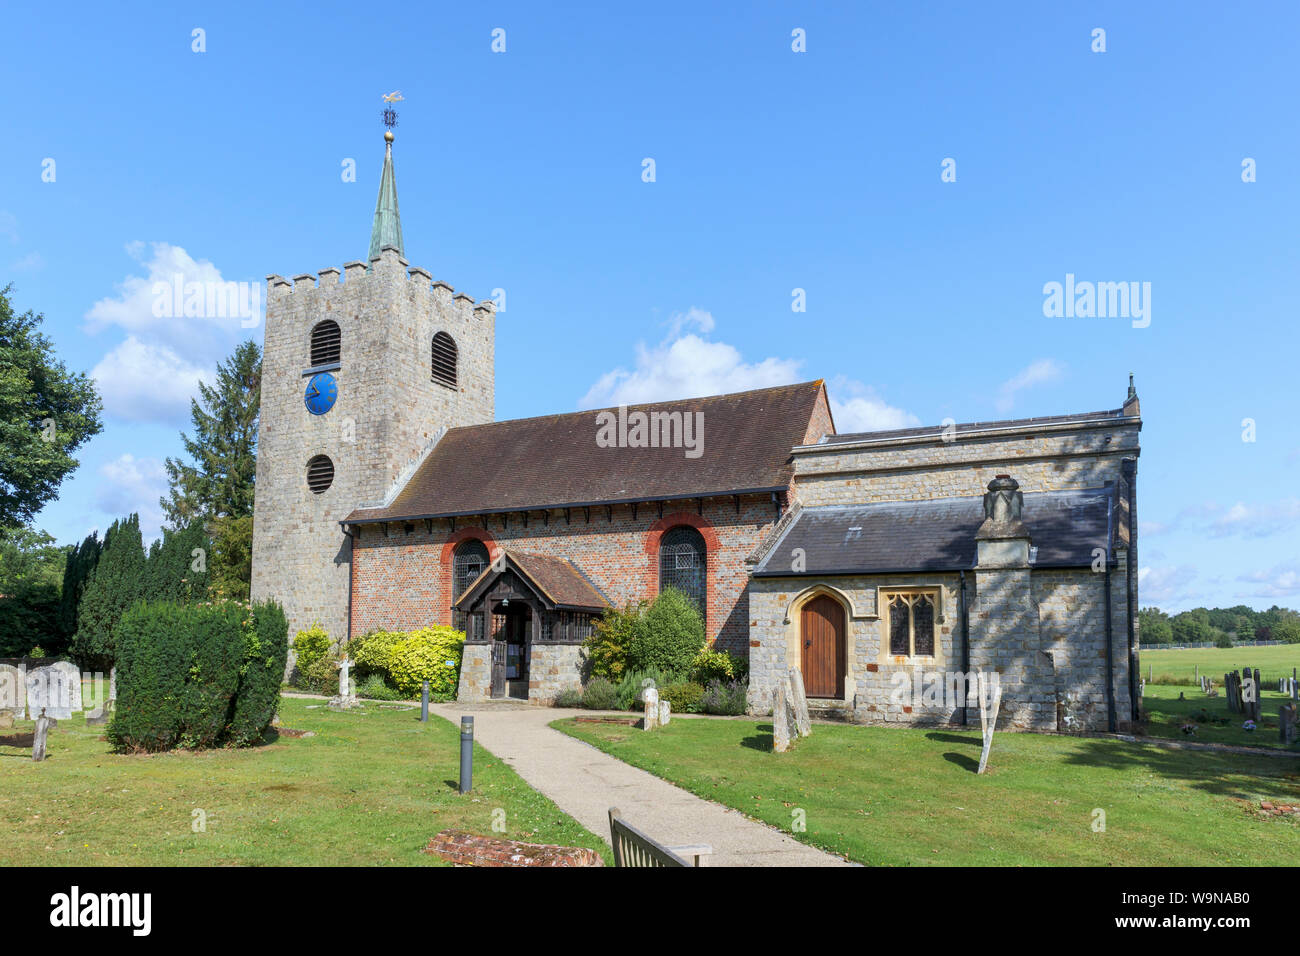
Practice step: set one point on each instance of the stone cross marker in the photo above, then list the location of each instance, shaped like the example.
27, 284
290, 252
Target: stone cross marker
345, 684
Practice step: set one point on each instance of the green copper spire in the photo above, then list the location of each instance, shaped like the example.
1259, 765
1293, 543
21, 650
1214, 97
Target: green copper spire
387, 230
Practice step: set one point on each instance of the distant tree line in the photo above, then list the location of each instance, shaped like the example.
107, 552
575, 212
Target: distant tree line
1219, 626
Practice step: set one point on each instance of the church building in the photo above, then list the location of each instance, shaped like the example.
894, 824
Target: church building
883, 565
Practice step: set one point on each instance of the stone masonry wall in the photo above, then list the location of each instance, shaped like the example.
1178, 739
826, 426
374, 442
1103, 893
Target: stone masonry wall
1045, 635
919, 469
387, 413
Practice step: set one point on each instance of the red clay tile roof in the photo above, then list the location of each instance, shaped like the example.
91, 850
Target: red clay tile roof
554, 461
560, 581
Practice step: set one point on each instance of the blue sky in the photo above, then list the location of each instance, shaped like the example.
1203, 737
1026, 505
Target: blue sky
775, 170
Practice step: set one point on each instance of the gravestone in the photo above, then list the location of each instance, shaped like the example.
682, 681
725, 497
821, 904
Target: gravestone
38, 739
782, 731
799, 701
665, 712
1286, 724
13, 690
990, 700
650, 697
56, 689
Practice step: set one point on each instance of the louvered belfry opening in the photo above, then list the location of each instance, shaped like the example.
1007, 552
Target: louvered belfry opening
320, 473
443, 365
326, 343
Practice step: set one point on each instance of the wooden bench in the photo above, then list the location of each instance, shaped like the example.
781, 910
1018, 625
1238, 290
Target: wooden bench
634, 848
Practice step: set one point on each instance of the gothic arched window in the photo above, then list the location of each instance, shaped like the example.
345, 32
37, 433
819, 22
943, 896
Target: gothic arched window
442, 366
468, 562
326, 343
683, 564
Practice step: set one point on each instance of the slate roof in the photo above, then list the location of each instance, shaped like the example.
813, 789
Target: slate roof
936, 535
554, 461
559, 580
926, 431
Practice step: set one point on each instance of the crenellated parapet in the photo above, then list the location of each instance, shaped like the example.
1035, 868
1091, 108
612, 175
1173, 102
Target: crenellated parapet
387, 266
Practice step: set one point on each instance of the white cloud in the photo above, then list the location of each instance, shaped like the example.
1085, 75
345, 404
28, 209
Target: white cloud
1283, 580
1165, 586
684, 365
133, 484
29, 262
1039, 372
863, 410
147, 383
145, 305
1257, 521
8, 225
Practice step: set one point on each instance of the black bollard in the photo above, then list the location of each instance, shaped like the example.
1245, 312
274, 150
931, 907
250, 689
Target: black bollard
424, 703
466, 754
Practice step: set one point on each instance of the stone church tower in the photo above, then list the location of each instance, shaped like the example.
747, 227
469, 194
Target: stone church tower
362, 373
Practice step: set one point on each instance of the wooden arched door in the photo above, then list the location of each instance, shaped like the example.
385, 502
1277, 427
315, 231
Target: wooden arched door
821, 636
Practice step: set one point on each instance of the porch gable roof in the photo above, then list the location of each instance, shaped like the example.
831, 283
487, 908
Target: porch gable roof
558, 583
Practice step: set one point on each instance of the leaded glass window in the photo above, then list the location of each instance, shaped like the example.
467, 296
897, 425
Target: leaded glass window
683, 564
911, 623
469, 561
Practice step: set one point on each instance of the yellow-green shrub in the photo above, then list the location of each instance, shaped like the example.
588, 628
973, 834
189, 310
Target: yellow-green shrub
373, 652
311, 645
432, 654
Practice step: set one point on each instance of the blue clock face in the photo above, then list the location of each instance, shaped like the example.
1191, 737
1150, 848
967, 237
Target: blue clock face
322, 391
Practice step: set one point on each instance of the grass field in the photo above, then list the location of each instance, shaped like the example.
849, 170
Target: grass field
1272, 662
368, 789
909, 796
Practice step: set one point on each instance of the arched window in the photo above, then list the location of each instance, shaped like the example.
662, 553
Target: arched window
683, 564
468, 562
320, 474
326, 343
442, 368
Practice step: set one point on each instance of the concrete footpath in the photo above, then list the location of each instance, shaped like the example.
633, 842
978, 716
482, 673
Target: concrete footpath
585, 783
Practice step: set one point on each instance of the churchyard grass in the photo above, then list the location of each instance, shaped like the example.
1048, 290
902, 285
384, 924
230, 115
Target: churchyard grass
910, 796
1180, 664
368, 789
1166, 716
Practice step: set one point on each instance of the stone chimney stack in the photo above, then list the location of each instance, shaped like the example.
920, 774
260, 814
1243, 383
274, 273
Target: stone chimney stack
1002, 541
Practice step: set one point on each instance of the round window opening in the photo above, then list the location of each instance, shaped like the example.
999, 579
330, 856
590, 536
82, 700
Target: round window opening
320, 474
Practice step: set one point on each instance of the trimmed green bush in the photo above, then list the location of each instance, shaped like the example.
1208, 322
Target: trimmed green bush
321, 676
265, 633
711, 665
196, 675
569, 698
729, 698
600, 694
685, 698
373, 652
670, 637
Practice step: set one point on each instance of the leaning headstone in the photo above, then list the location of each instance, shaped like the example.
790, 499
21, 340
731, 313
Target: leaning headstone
799, 701
665, 712
13, 693
782, 731
650, 697
990, 694
38, 739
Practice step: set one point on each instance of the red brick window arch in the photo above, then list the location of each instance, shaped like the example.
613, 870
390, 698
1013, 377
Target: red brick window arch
684, 564
469, 560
